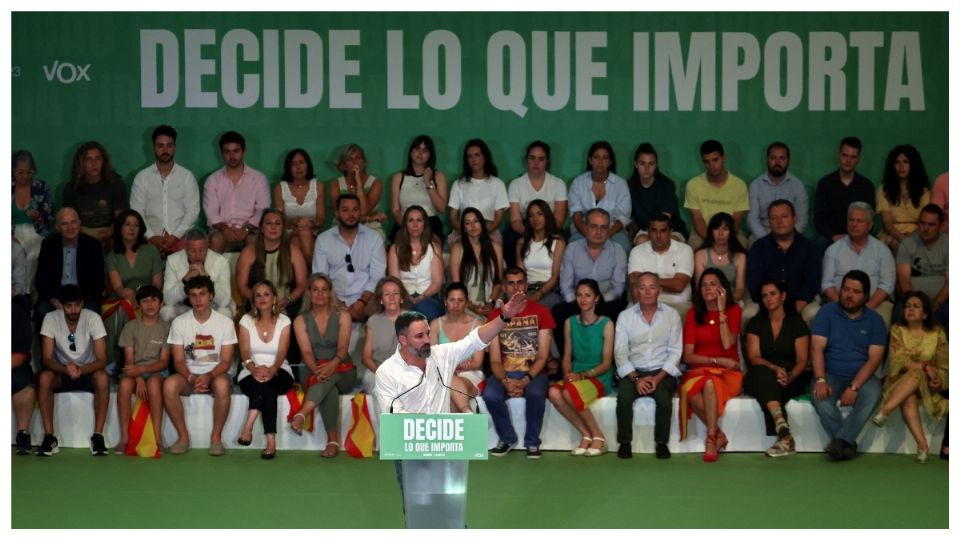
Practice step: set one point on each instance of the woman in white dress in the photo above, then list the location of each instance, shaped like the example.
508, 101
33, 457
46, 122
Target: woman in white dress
478, 187
455, 325
421, 184
477, 262
540, 254
416, 259
300, 197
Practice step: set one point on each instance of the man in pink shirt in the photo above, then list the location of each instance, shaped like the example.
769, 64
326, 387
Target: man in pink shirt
234, 197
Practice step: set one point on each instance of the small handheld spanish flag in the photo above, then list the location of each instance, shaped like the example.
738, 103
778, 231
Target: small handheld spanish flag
142, 441
359, 443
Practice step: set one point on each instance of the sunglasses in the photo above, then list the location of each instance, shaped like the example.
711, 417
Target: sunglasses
72, 338
349, 262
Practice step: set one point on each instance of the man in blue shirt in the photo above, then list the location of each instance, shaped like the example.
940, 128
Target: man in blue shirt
847, 347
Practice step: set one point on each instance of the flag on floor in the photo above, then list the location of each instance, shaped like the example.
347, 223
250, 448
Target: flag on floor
295, 397
359, 443
142, 441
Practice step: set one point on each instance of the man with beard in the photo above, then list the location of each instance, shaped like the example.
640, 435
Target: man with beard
234, 197
716, 190
74, 354
352, 255
166, 195
846, 348
777, 183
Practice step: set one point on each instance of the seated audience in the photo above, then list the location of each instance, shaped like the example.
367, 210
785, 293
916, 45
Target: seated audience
904, 192
146, 357
195, 259
917, 370
713, 375
778, 343
716, 190
234, 196
600, 187
858, 250
518, 355
536, 183
784, 256
74, 357
846, 348
326, 355
264, 338
776, 184
131, 263
478, 187
837, 191
923, 264
68, 257
32, 218
421, 184
21, 377
647, 349
669, 259
586, 364
540, 253
455, 325
299, 195
275, 258
722, 250
477, 262
417, 260
356, 181
96, 191
166, 195
380, 337
652, 193
201, 343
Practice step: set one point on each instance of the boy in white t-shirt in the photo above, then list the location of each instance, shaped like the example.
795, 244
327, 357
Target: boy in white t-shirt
74, 356
201, 343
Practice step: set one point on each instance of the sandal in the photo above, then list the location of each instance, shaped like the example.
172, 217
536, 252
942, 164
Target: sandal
581, 450
594, 452
298, 431
710, 449
326, 451
721, 440
244, 442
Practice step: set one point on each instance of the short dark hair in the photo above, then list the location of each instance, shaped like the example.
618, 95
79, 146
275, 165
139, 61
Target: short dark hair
660, 217
934, 209
852, 142
858, 275
164, 130
232, 137
405, 319
70, 293
199, 282
778, 144
711, 146
515, 270
782, 202
148, 291
346, 197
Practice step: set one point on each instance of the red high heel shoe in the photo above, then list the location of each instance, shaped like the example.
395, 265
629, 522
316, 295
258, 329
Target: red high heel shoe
721, 440
710, 449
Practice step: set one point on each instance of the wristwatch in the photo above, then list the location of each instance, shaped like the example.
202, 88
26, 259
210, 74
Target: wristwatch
505, 319
853, 387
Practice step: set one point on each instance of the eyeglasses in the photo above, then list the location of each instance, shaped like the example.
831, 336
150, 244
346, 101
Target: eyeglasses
349, 262
72, 338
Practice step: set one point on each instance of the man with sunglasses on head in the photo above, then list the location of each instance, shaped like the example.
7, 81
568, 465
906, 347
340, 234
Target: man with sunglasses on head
74, 354
353, 256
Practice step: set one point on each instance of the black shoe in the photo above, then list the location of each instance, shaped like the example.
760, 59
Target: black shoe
49, 446
835, 449
97, 446
849, 450
244, 442
268, 455
624, 451
662, 451
23, 443
501, 449
533, 452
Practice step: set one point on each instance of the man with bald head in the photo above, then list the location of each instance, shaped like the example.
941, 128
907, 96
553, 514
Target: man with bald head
69, 257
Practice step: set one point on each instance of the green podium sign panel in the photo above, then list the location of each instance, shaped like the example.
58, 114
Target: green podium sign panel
455, 437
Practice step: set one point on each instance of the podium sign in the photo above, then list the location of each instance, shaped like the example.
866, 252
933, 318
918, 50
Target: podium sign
433, 436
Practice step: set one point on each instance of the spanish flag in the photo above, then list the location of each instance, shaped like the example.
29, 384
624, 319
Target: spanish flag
359, 443
142, 441
295, 397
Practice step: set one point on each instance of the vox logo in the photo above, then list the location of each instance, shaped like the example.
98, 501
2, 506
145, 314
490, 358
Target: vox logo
66, 72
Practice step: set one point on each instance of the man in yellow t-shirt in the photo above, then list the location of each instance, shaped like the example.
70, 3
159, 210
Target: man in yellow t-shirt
714, 191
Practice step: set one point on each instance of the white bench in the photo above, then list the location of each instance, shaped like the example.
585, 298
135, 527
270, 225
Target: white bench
742, 421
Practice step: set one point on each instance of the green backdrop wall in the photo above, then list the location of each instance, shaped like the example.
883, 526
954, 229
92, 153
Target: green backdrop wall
321, 80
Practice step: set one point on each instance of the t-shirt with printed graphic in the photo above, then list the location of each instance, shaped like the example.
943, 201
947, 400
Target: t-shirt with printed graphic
520, 338
147, 341
202, 341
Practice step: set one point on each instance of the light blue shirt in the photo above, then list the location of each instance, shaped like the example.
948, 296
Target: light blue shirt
648, 347
367, 257
69, 275
609, 269
875, 259
616, 201
763, 192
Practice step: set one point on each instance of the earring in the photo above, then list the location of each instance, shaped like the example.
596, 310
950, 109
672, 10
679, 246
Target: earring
273, 310
256, 312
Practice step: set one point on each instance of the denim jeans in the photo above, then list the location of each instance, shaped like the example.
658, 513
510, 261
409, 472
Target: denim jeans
829, 411
495, 396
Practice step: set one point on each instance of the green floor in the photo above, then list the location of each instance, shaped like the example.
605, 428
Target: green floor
302, 490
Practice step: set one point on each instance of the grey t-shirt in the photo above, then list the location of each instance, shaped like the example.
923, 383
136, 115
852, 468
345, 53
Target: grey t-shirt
147, 341
928, 264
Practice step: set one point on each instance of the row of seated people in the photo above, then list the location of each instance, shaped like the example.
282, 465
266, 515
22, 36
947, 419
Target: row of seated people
847, 346
167, 195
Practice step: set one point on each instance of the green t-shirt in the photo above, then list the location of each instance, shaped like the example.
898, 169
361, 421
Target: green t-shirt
147, 341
